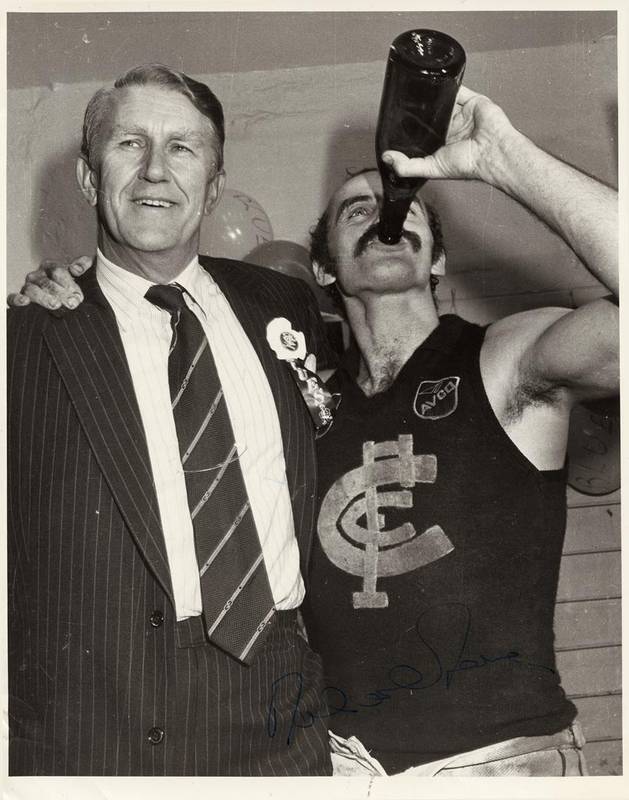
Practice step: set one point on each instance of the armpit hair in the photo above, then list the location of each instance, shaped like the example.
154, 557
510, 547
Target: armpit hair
530, 393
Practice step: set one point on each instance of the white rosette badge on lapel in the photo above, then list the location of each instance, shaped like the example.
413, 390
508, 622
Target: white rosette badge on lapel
289, 345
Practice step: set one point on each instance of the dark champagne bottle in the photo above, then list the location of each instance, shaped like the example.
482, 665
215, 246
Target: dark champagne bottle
424, 71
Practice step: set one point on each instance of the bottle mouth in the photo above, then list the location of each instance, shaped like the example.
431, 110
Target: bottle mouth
429, 50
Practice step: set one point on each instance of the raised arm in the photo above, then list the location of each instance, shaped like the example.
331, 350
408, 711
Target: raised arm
577, 350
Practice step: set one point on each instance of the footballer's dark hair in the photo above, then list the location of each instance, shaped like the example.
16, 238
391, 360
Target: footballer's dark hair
320, 250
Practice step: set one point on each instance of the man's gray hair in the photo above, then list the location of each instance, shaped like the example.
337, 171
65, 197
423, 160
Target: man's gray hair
200, 95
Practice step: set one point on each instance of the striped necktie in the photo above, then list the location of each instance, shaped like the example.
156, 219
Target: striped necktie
237, 598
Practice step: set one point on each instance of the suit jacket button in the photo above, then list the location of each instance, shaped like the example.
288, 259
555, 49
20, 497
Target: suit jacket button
156, 618
155, 735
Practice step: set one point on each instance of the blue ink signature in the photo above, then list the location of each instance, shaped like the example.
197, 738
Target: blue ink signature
401, 677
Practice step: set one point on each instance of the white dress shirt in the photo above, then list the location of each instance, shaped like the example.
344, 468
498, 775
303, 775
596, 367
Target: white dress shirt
146, 334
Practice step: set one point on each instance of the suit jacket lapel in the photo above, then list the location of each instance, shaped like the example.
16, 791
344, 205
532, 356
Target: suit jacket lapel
254, 316
87, 349
254, 313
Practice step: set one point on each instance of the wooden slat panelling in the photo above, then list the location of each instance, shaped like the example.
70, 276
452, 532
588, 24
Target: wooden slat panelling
593, 528
575, 499
585, 672
594, 622
604, 758
587, 576
594, 524
600, 717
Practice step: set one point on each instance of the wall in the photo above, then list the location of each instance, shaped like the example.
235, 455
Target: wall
291, 134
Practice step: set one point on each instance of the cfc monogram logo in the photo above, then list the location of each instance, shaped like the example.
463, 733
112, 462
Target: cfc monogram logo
371, 550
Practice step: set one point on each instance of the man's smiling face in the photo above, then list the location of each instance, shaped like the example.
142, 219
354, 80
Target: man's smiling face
156, 176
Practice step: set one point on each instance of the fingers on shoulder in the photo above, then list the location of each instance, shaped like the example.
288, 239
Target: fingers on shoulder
53, 285
44, 293
79, 265
18, 299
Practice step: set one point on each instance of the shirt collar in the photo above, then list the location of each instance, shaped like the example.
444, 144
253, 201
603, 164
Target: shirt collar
198, 283
125, 290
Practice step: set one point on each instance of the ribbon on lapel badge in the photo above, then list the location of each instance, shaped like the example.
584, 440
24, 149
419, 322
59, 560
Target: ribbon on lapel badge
289, 345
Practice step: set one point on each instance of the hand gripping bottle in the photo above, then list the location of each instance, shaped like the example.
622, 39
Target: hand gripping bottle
424, 71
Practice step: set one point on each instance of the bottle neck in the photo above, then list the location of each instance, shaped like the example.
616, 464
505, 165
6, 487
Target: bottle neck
392, 216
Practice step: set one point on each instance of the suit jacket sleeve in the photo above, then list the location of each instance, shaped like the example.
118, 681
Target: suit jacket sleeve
24, 344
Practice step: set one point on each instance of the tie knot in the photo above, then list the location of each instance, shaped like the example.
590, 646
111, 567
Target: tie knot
167, 296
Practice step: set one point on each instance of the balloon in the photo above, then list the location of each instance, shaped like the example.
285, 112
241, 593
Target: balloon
237, 225
292, 259
284, 256
594, 447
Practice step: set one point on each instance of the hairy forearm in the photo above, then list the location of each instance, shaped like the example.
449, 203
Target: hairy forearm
583, 211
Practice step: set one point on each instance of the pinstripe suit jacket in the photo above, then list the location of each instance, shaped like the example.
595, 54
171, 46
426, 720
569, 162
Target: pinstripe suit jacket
103, 680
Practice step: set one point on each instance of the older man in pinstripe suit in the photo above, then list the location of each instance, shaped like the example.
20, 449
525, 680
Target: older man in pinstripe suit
139, 643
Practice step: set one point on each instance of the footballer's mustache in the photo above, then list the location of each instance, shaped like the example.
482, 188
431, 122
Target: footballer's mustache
371, 234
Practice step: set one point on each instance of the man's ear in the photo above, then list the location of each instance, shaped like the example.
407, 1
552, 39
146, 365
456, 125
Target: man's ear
214, 192
439, 267
322, 277
87, 180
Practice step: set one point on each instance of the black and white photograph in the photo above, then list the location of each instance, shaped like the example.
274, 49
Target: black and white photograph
313, 401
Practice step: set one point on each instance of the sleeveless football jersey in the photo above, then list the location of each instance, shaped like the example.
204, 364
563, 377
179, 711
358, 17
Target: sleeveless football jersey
434, 571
